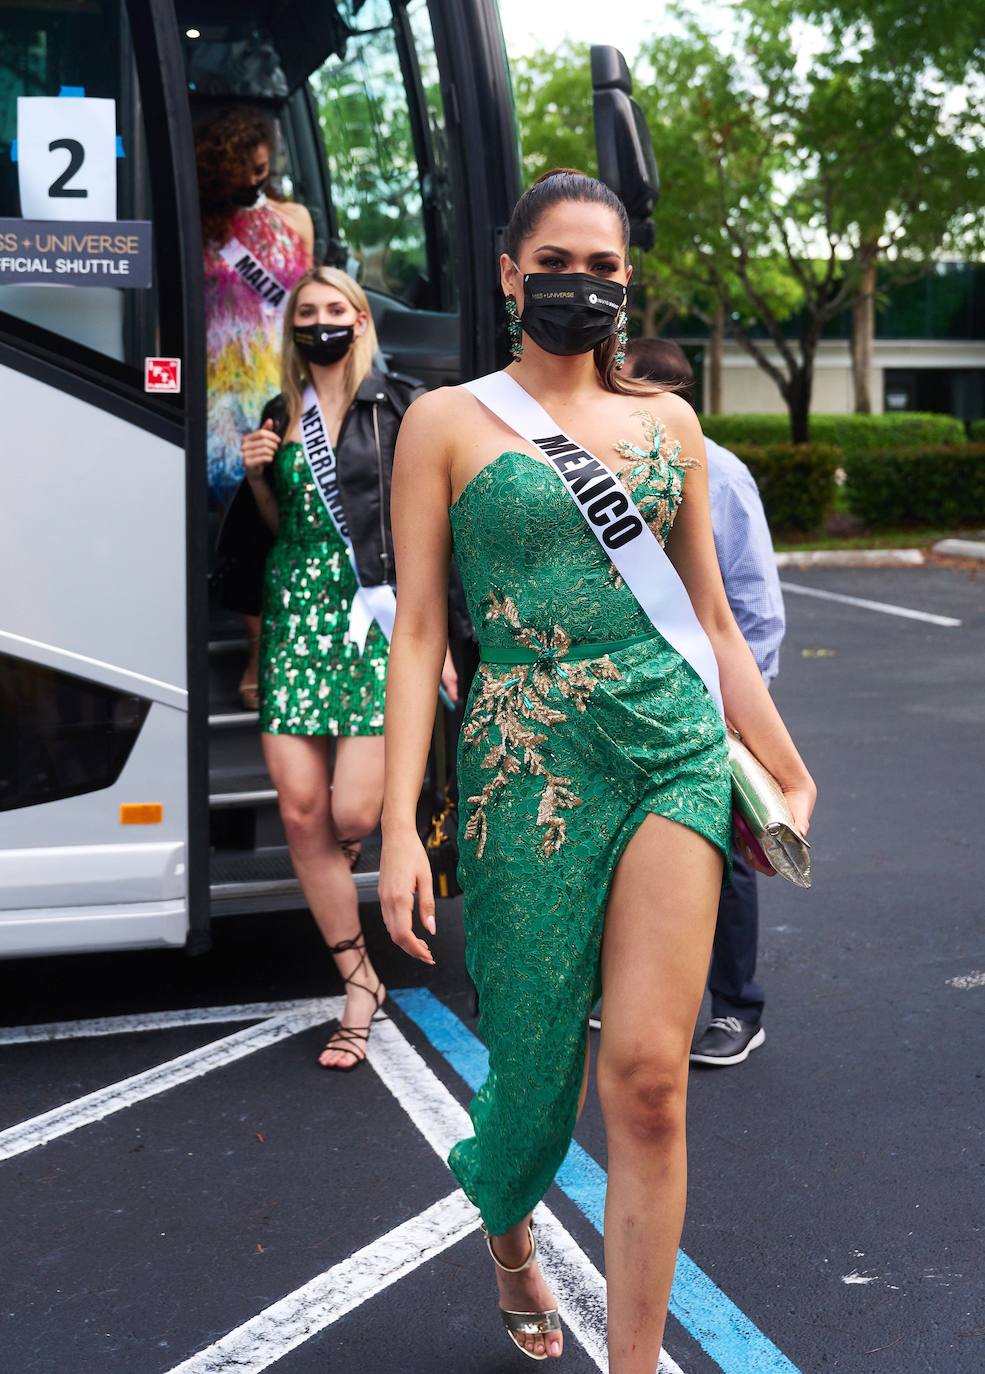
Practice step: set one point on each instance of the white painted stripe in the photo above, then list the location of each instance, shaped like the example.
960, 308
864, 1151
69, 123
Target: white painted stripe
884, 606
967, 980
286, 1324
579, 1289
577, 1283
160, 1020
95, 1106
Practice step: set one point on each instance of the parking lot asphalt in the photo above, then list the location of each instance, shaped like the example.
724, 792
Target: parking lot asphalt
208, 1200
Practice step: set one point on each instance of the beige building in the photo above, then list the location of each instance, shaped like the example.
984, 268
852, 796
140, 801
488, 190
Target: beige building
747, 389
928, 352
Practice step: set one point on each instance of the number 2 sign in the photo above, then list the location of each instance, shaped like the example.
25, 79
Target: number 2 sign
66, 157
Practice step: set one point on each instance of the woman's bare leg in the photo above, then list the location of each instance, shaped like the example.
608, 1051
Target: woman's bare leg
658, 932
248, 682
299, 768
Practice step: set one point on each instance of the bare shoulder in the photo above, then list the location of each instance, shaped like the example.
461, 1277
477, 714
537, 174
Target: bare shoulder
424, 442
293, 211
442, 409
298, 216
680, 422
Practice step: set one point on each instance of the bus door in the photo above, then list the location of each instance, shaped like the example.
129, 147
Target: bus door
102, 784
378, 106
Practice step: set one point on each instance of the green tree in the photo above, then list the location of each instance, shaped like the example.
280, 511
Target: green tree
785, 182
804, 178
948, 35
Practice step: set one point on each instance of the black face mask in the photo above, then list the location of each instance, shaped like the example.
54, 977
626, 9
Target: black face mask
570, 312
324, 344
249, 195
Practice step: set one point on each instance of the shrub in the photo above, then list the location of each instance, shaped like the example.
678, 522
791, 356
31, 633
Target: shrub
977, 431
851, 433
936, 485
796, 481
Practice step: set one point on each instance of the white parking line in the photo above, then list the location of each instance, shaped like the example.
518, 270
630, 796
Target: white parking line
884, 606
94, 1106
577, 1284
294, 1319
159, 1020
967, 980
286, 1324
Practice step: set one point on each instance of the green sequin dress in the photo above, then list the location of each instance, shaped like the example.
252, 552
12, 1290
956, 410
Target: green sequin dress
559, 762
313, 679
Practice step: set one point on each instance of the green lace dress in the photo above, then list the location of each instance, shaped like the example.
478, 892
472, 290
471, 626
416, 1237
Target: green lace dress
313, 679
581, 720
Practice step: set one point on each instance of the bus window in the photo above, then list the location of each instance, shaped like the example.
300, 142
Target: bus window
60, 736
78, 53
384, 130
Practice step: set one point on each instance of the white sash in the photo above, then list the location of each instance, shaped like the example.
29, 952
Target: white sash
251, 270
369, 603
613, 518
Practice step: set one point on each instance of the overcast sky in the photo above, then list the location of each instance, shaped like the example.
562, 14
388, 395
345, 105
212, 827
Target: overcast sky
545, 23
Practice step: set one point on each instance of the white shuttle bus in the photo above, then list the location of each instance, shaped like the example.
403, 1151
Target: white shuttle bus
133, 803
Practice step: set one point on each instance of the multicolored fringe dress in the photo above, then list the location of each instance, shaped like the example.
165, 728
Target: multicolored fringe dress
243, 336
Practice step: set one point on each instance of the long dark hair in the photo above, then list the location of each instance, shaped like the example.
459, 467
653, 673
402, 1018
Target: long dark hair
553, 188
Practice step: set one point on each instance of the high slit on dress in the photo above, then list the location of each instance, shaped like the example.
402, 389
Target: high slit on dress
581, 721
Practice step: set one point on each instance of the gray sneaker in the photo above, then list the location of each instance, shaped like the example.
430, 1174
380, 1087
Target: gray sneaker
727, 1040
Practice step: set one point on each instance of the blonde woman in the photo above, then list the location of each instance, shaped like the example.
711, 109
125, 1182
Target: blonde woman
319, 470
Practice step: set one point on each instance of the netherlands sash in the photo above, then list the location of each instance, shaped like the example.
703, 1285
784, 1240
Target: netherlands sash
369, 603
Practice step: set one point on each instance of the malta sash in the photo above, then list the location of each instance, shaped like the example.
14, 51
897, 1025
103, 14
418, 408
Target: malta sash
612, 516
369, 603
251, 270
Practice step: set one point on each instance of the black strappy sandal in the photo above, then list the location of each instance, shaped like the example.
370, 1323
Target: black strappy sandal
346, 1038
351, 850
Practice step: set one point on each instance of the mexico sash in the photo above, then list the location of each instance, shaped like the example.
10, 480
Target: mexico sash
369, 603
612, 516
251, 270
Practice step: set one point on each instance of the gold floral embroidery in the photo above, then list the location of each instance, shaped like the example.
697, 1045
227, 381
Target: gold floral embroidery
515, 706
661, 463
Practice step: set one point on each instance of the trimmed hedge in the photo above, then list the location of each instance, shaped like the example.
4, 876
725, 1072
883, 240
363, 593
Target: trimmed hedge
851, 433
936, 485
796, 482
977, 431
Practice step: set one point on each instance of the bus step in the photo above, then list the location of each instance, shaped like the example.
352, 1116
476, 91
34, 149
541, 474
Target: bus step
232, 720
259, 796
228, 646
264, 879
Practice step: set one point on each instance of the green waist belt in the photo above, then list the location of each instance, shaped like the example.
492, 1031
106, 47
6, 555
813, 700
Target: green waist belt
491, 653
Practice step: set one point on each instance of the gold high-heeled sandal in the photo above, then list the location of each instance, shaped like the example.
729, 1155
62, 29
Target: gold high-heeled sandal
525, 1323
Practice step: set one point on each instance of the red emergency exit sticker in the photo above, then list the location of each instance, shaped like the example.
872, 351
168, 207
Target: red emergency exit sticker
162, 374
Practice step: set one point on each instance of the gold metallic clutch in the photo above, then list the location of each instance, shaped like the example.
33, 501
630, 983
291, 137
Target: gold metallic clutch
763, 818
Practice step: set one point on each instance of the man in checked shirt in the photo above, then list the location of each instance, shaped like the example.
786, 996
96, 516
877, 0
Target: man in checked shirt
752, 585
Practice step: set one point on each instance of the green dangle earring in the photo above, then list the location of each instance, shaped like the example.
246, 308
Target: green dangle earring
621, 338
515, 328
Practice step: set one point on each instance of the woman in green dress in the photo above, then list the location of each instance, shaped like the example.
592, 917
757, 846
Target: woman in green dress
593, 769
322, 671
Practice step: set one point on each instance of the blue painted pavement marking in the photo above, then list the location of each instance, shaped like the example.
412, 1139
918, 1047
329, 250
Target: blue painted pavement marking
722, 1330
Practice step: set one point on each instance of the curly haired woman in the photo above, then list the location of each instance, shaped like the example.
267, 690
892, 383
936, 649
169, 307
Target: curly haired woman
256, 247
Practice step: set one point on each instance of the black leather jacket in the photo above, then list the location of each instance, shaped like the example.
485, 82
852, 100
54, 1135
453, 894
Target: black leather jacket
365, 467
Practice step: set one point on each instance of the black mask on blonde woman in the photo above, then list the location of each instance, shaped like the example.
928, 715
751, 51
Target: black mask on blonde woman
570, 312
323, 344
